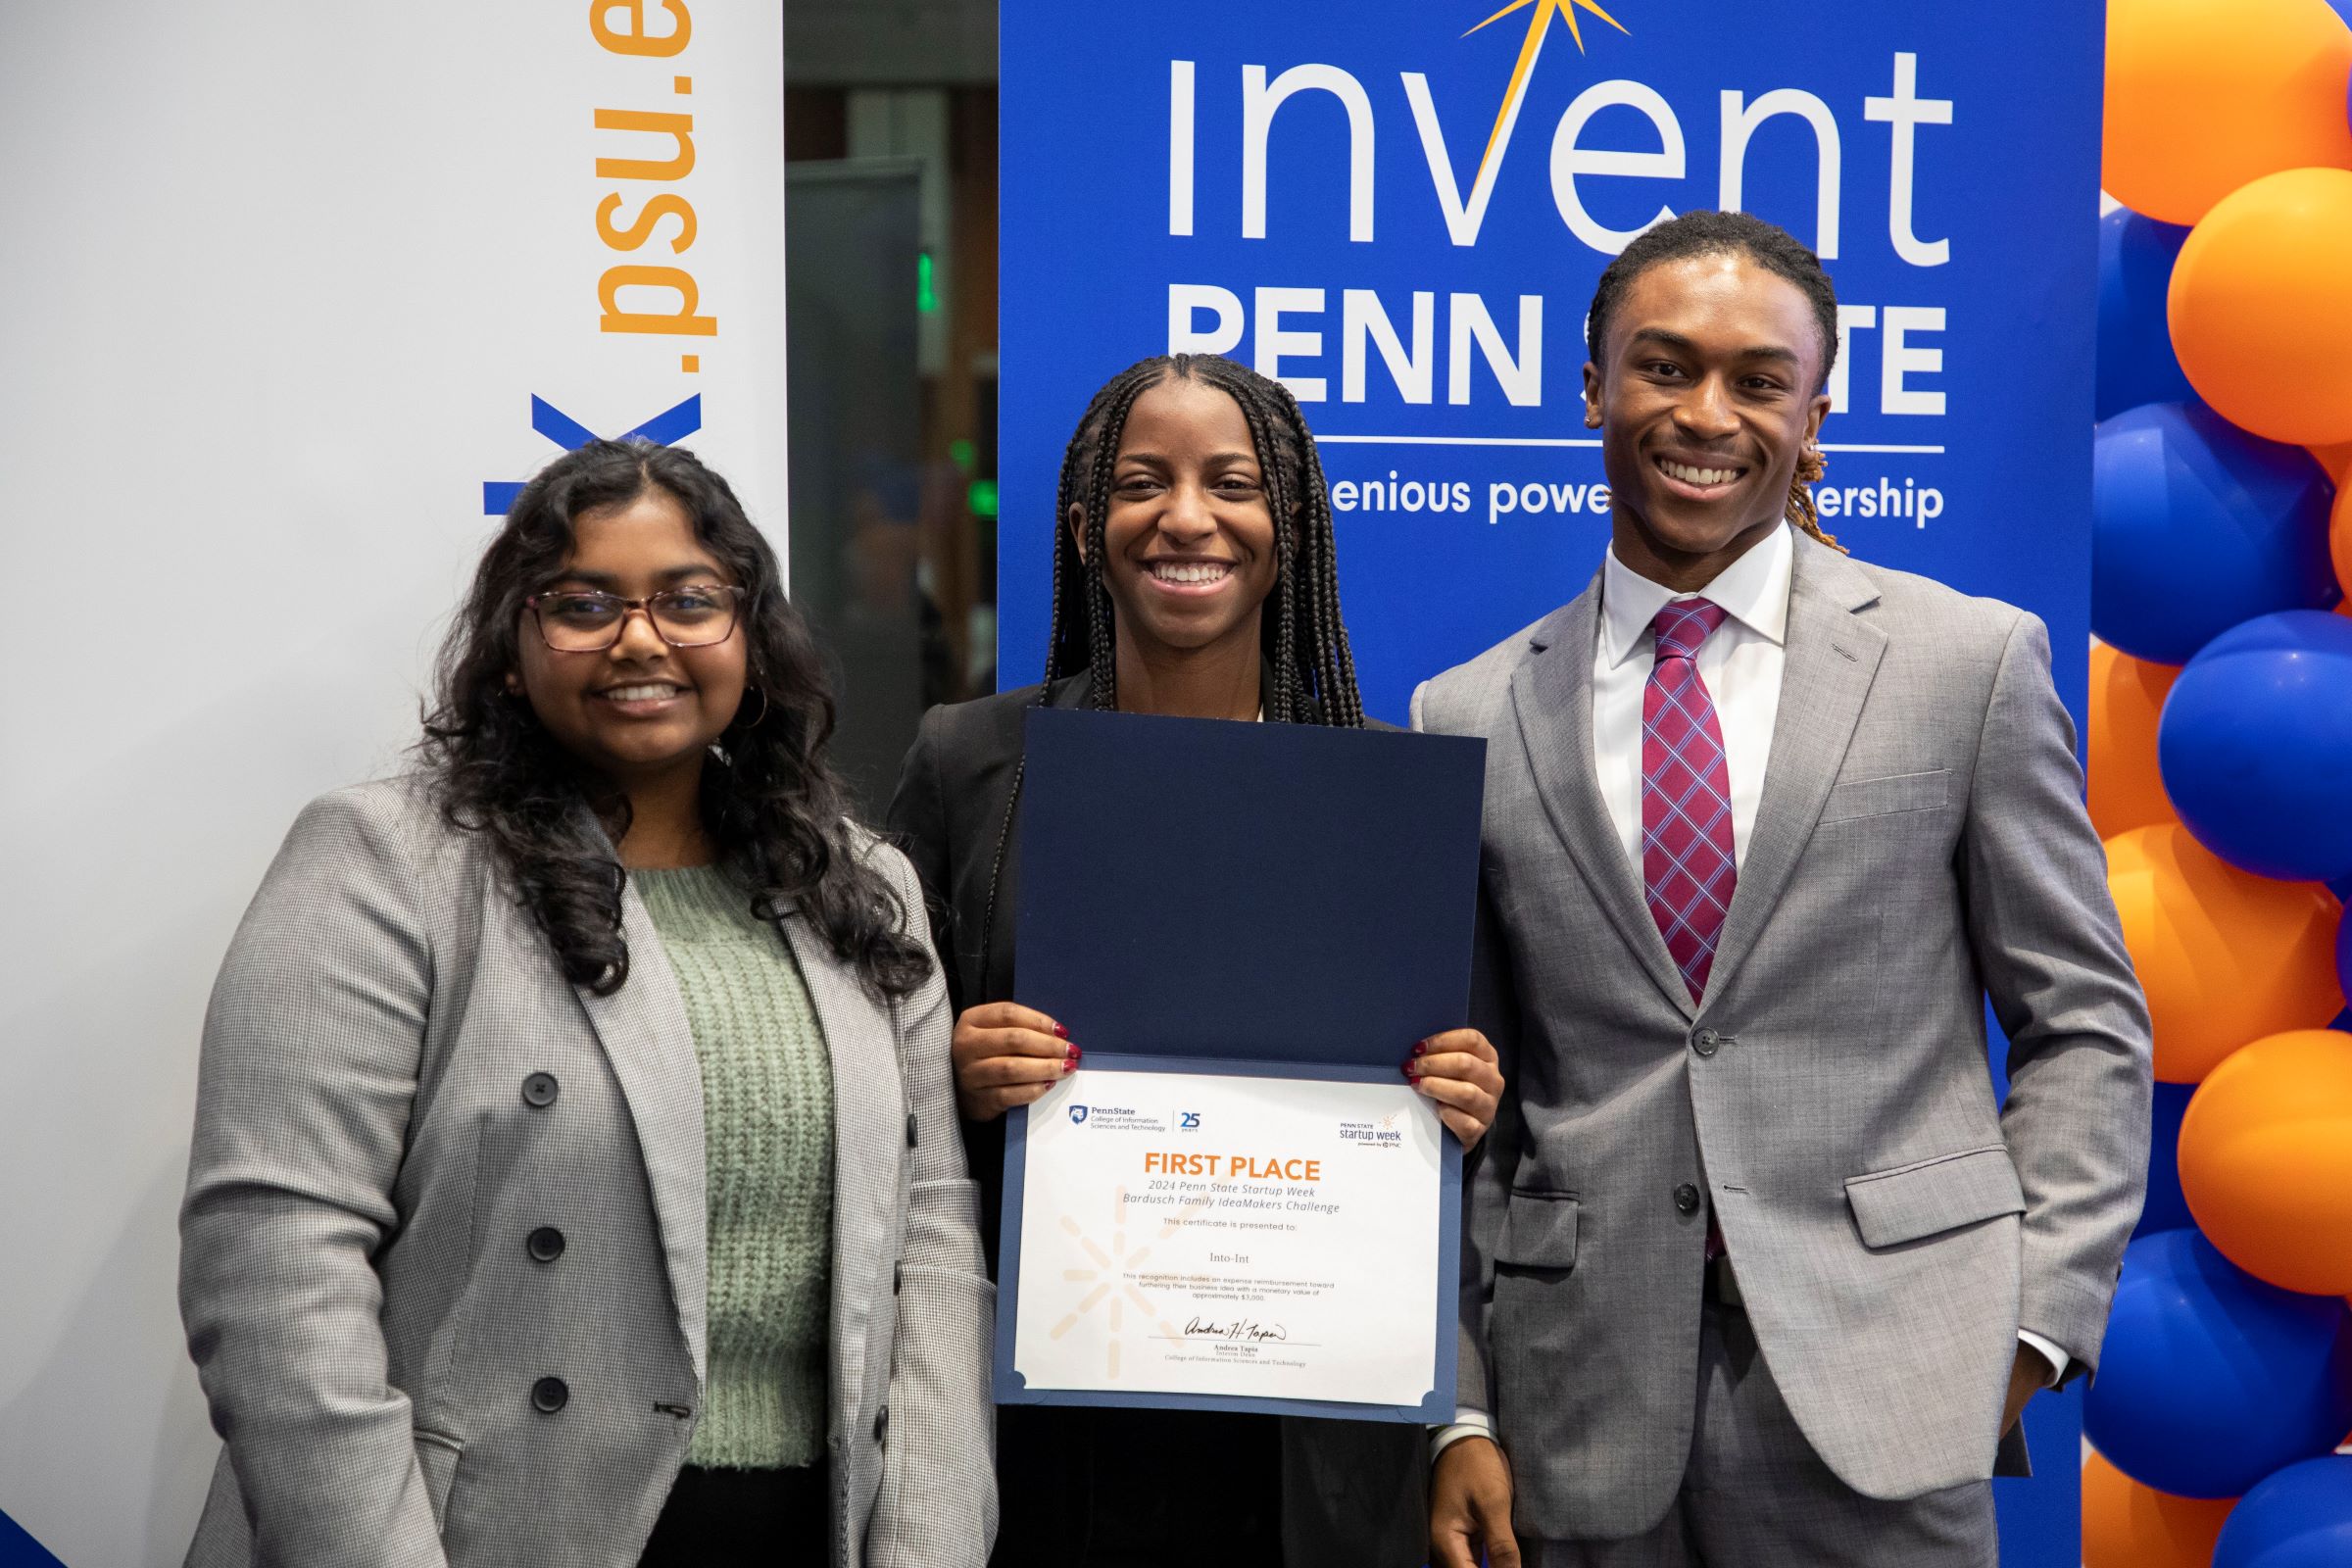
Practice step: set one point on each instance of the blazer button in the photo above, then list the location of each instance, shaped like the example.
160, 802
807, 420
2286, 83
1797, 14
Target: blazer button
1685, 1199
1705, 1040
550, 1394
546, 1244
539, 1089
881, 1422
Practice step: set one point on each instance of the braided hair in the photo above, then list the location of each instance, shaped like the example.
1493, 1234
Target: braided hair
1768, 246
1305, 642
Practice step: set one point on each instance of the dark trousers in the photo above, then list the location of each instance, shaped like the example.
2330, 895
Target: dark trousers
1080, 1486
725, 1518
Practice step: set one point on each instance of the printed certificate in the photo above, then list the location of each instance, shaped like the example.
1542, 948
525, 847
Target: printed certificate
1242, 1238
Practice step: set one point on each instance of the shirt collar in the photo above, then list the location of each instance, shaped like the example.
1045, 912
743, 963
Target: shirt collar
1752, 590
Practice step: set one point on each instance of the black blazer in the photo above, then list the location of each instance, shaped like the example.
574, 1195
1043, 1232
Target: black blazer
1353, 1494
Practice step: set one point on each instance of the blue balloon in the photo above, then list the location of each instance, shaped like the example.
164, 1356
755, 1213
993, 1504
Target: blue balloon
2211, 1379
2166, 1208
2299, 1518
2255, 746
2196, 526
2136, 363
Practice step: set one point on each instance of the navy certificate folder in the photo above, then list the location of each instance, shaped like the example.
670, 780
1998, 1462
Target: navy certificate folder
1255, 899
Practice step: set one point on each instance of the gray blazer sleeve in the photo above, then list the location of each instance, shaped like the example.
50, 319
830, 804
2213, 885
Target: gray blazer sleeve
940, 1477
2051, 954
309, 1064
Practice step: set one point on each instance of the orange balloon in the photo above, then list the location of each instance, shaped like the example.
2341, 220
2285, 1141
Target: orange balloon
2225, 956
2203, 95
2125, 696
2261, 305
2265, 1159
2126, 1525
2336, 460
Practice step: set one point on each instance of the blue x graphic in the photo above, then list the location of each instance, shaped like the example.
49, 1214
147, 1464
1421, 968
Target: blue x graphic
669, 425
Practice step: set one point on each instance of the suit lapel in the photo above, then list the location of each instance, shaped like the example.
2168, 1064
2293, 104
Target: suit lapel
1551, 693
869, 1139
1831, 658
643, 1030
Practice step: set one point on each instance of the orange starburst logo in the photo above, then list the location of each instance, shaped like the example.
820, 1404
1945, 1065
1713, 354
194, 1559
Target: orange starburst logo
1539, 26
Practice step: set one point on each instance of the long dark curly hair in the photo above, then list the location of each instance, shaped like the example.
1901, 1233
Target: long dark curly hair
774, 810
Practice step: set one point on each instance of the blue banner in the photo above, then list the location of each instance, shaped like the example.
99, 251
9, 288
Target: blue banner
1400, 208
1401, 213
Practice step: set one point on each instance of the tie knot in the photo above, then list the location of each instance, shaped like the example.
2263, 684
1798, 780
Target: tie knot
1683, 626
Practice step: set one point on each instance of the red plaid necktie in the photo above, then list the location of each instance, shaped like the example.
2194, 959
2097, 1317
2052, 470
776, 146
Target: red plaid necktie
1687, 870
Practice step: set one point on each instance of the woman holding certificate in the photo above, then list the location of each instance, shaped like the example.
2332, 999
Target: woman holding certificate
1194, 576
575, 1178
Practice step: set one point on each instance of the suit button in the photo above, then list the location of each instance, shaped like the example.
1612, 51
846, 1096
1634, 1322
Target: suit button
546, 1244
1685, 1199
550, 1394
539, 1089
881, 1422
1705, 1040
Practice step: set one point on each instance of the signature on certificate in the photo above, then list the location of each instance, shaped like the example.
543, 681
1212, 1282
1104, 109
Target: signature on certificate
1241, 1328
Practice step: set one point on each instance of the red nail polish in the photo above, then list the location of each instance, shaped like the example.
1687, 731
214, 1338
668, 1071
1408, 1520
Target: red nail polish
1060, 1033
1420, 1046
1412, 1073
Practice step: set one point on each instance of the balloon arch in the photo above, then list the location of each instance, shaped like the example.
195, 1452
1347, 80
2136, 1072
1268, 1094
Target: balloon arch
2220, 774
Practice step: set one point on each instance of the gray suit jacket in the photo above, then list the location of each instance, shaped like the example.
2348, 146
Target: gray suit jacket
1921, 846
399, 1087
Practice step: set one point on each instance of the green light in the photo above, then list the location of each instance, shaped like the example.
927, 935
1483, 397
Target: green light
926, 298
982, 498
962, 454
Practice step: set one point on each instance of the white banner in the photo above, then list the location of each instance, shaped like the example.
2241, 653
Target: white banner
287, 293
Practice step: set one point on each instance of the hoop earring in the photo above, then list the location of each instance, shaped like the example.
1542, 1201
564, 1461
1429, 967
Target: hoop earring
756, 722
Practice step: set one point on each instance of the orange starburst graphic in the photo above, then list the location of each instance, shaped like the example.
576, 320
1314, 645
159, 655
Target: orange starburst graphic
1112, 1292
1539, 23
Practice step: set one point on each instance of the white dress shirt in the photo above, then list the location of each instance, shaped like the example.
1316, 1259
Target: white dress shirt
1740, 665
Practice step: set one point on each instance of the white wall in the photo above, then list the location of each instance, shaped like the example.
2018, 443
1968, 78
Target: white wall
277, 280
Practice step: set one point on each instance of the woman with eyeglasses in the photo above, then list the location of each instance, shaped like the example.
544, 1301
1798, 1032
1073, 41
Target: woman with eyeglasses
576, 1176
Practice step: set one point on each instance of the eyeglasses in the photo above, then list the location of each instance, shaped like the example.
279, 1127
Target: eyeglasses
583, 621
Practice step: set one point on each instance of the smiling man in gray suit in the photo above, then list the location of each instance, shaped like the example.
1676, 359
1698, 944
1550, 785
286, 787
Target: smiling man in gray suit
1758, 1272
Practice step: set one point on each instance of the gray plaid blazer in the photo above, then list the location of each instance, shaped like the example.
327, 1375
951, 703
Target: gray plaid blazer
1921, 847
398, 1089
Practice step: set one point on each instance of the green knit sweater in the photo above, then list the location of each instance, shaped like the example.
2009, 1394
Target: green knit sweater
768, 1138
